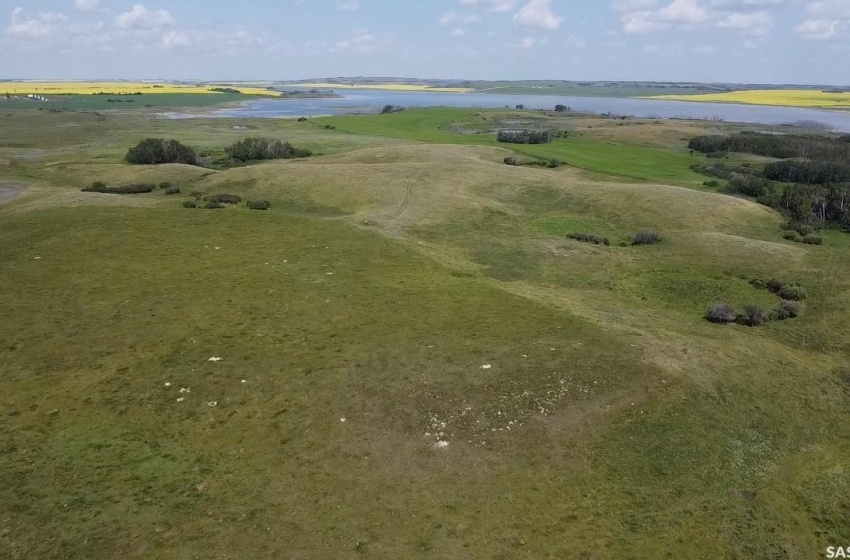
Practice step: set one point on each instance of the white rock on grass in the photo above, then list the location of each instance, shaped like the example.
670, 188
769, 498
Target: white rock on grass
215, 359
486, 366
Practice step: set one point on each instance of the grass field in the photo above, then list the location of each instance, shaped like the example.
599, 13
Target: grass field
786, 97
415, 362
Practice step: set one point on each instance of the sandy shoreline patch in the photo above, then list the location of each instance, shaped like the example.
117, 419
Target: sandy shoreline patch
8, 191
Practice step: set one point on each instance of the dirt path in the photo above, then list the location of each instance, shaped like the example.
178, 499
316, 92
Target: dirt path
8, 191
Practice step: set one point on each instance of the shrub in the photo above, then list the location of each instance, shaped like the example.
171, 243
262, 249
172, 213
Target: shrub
156, 151
589, 238
787, 310
646, 237
138, 188
329, 127
302, 119
165, 185
259, 204
792, 236
774, 285
391, 109
511, 160
225, 199
792, 293
525, 136
753, 316
190, 204
197, 195
714, 184
172, 190
758, 283
257, 149
554, 163
813, 239
720, 312
213, 205
804, 229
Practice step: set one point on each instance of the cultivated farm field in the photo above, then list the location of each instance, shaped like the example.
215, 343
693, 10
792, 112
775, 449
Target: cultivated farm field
407, 356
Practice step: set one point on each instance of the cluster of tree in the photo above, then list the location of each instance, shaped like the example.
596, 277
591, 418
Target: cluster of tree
391, 109
589, 238
561, 108
155, 151
808, 172
225, 90
526, 136
817, 204
257, 149
783, 146
136, 188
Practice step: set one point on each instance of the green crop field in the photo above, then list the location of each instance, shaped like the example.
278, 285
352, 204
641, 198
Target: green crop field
406, 356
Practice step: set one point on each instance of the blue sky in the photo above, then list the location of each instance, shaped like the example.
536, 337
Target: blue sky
755, 41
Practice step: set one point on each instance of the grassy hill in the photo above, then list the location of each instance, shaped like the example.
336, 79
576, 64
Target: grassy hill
415, 361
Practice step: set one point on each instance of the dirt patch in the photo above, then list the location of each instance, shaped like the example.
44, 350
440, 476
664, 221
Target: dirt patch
8, 191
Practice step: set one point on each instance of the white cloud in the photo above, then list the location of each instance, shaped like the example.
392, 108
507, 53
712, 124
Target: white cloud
458, 32
538, 13
755, 23
526, 43
683, 11
24, 27
493, 5
817, 29
348, 5
86, 5
824, 19
173, 39
140, 17
451, 18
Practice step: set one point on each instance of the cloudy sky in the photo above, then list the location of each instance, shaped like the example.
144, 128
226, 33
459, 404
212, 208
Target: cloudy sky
755, 41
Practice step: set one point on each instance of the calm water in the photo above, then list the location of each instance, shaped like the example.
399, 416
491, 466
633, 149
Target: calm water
371, 101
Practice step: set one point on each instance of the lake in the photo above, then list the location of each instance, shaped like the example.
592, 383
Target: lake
371, 101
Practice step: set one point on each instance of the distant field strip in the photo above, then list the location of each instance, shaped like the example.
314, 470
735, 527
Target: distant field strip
92, 88
785, 97
391, 87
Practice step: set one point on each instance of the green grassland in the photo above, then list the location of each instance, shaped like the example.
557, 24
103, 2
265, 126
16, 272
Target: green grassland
407, 288
123, 102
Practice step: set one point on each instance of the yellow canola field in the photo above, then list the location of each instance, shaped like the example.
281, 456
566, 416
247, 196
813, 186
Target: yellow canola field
784, 97
90, 88
393, 87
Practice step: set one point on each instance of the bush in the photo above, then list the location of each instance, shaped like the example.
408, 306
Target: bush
753, 316
720, 312
197, 195
525, 136
213, 205
646, 237
774, 285
589, 238
813, 239
225, 199
758, 283
165, 185
792, 236
190, 204
804, 229
156, 151
330, 127
259, 204
714, 184
792, 293
172, 190
787, 310
554, 163
257, 149
511, 160
138, 188
302, 119
391, 109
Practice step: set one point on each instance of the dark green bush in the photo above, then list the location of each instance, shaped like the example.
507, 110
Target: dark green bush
758, 283
792, 293
787, 310
98, 186
525, 136
589, 238
753, 316
172, 190
190, 204
720, 312
213, 205
646, 237
166, 185
139, 188
258, 149
225, 199
774, 285
714, 184
554, 163
259, 204
813, 239
156, 151
511, 160
197, 195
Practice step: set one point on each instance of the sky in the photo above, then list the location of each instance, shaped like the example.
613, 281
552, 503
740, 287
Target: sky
737, 41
